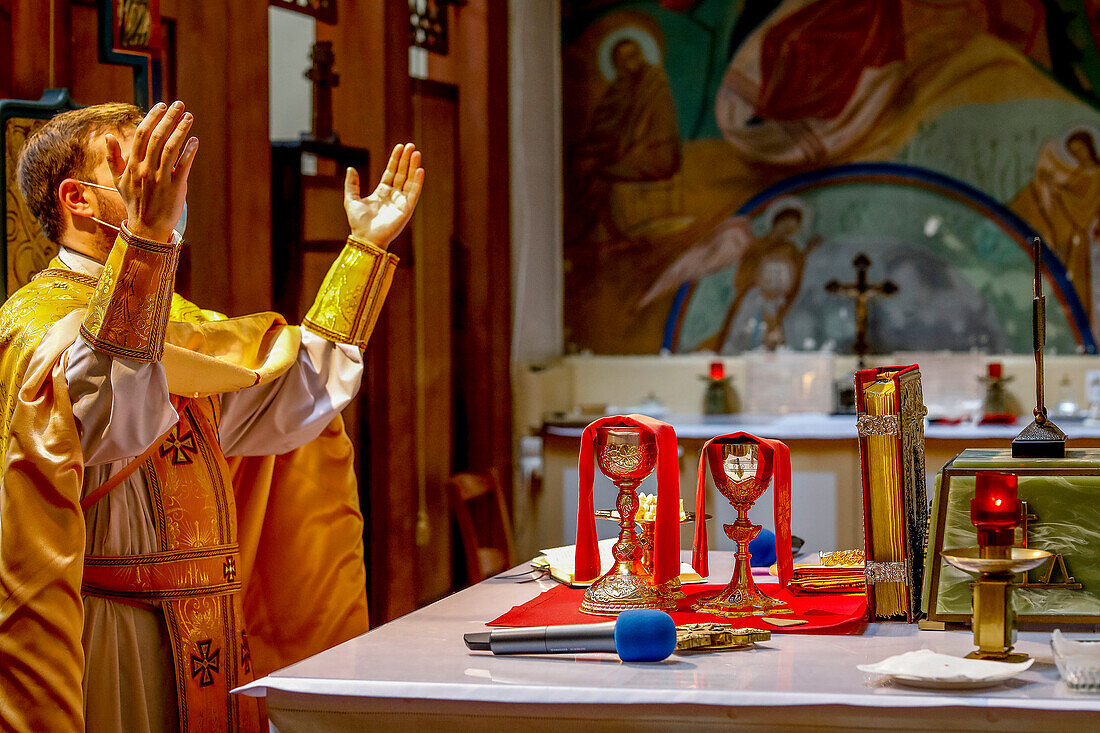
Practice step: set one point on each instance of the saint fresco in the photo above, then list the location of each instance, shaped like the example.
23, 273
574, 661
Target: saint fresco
725, 159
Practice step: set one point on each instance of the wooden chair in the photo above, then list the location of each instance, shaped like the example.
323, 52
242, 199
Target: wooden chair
492, 552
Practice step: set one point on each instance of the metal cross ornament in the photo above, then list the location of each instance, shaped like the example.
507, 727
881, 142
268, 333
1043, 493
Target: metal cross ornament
861, 290
205, 664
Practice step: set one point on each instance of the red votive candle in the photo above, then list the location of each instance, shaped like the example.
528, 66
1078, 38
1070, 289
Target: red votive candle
995, 508
717, 370
994, 370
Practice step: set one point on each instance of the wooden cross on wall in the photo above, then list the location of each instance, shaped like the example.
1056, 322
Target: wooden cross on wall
861, 290
324, 79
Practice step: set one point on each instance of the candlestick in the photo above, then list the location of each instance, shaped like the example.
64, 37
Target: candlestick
717, 398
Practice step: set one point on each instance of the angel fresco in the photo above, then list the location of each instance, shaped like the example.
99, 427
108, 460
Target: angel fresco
766, 284
765, 273
1062, 202
722, 249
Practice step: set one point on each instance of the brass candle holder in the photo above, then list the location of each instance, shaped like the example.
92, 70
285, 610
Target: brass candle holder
997, 568
626, 455
742, 478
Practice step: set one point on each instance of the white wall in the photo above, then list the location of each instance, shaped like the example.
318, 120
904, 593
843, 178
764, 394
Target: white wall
291, 36
536, 179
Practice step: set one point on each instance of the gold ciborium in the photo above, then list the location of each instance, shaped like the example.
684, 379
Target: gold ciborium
741, 476
626, 455
670, 590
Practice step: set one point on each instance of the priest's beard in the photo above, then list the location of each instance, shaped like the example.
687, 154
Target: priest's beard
112, 212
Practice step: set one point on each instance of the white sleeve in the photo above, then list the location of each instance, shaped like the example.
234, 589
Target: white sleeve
290, 411
121, 406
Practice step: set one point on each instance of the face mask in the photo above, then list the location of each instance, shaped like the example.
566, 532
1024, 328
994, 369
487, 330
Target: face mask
100, 221
180, 227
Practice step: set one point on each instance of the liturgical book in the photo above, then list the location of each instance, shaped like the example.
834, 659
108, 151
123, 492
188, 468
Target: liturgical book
895, 504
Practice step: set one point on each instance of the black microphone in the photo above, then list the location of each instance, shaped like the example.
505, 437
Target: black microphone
637, 635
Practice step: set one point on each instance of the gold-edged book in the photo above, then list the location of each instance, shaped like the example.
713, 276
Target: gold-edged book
890, 423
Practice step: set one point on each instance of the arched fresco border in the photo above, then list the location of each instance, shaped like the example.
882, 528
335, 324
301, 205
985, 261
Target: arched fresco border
913, 176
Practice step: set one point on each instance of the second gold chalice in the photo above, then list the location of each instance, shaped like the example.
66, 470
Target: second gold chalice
626, 455
742, 477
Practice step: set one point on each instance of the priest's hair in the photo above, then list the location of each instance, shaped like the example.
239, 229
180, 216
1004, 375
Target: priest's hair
59, 150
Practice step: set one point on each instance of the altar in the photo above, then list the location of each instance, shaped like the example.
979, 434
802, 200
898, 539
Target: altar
415, 674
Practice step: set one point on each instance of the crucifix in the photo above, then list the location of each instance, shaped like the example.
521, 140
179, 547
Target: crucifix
861, 290
324, 79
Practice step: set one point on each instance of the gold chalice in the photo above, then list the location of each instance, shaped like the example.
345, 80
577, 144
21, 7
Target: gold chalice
626, 455
742, 477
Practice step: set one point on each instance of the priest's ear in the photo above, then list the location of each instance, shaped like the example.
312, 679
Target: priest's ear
74, 198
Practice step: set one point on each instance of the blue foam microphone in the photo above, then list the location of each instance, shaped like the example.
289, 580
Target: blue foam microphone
637, 635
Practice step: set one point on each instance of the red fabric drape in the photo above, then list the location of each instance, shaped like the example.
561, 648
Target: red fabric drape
666, 543
780, 459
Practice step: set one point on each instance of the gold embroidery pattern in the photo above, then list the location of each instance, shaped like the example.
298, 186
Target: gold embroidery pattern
187, 312
867, 425
128, 313
161, 576
351, 297
194, 512
24, 320
28, 249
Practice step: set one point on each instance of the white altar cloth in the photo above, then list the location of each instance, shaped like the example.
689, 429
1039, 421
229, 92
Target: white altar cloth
418, 665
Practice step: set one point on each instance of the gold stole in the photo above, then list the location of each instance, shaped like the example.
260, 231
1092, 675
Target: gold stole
195, 577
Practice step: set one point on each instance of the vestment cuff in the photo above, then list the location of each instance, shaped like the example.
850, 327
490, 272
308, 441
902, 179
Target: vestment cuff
351, 297
128, 312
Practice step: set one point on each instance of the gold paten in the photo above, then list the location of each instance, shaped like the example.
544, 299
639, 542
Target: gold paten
626, 455
734, 468
351, 296
994, 620
716, 637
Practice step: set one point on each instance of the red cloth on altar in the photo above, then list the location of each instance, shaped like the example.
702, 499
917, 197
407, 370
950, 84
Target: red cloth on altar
666, 541
774, 455
825, 614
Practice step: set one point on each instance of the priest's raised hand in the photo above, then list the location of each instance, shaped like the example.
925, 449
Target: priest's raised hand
377, 219
150, 169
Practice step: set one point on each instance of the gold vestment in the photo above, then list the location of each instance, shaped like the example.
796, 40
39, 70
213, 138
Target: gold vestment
259, 562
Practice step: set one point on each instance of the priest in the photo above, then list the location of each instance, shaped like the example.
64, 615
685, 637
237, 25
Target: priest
178, 511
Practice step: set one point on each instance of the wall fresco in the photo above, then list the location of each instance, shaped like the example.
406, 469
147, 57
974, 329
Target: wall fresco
725, 158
